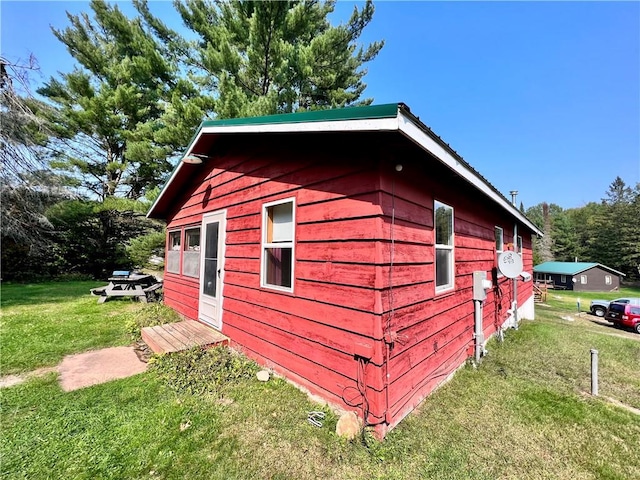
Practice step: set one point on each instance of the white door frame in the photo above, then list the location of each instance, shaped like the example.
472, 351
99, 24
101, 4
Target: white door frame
209, 307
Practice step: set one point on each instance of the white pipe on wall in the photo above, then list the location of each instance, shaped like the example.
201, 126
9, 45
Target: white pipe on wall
478, 335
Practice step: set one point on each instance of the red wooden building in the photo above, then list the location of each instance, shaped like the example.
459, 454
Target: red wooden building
338, 248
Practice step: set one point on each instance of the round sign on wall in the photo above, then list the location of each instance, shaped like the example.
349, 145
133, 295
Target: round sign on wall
510, 264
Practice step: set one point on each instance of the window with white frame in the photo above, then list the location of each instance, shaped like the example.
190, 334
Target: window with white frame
583, 279
519, 244
607, 279
499, 234
191, 253
278, 233
443, 226
563, 279
173, 252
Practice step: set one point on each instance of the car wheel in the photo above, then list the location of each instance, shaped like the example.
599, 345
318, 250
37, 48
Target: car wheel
637, 328
598, 311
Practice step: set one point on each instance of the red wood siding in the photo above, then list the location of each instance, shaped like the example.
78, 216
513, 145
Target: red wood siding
364, 266
434, 332
313, 333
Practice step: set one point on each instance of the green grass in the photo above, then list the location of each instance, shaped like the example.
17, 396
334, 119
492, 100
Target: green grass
586, 297
523, 414
41, 323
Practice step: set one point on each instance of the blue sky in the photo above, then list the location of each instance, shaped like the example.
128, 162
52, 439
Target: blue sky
540, 97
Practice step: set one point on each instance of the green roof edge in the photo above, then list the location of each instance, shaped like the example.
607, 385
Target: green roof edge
388, 110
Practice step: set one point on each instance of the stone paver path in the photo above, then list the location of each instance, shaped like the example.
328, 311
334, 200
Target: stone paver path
88, 368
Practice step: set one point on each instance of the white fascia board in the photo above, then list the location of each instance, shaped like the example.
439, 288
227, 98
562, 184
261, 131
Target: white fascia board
411, 130
361, 125
166, 185
604, 267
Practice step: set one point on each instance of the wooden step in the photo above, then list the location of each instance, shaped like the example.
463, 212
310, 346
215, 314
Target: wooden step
174, 337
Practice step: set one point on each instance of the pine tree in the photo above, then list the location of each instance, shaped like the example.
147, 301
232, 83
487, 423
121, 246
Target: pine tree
259, 58
565, 246
140, 89
622, 211
607, 232
631, 234
618, 193
110, 109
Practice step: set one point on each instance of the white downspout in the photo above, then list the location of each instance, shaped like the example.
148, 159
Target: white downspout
477, 333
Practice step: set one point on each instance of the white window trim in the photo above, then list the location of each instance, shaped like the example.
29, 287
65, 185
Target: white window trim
183, 250
437, 246
264, 245
501, 249
170, 250
563, 279
519, 245
608, 280
583, 279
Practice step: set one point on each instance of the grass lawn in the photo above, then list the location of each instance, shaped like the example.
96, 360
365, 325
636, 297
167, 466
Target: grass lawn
43, 322
523, 414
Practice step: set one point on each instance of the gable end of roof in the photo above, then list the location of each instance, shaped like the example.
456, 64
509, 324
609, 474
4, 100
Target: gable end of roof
395, 117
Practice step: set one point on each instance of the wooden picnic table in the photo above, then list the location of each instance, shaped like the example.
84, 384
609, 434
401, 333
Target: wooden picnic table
139, 285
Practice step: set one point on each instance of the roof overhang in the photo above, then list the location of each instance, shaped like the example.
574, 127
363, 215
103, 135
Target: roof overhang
381, 118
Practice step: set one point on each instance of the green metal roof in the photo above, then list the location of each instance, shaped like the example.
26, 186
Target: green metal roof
566, 268
390, 117
388, 110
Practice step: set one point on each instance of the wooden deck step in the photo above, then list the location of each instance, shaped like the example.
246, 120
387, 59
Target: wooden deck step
174, 337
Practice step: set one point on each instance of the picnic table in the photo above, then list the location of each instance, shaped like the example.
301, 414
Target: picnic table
125, 284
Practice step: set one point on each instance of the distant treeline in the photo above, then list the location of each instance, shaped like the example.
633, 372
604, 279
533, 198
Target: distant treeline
607, 232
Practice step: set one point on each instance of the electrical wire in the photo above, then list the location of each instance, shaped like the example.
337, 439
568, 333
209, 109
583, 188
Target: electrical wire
497, 299
388, 345
357, 396
391, 313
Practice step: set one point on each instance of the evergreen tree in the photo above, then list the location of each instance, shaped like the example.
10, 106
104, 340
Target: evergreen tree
607, 232
631, 234
582, 220
258, 58
618, 194
565, 246
92, 236
109, 110
140, 89
620, 222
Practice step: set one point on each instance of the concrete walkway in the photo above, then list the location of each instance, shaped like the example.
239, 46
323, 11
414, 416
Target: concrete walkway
88, 368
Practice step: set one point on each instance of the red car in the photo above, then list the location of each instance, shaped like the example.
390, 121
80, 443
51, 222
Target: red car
624, 314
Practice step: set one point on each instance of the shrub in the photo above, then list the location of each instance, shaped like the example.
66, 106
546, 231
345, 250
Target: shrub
150, 315
142, 249
200, 371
